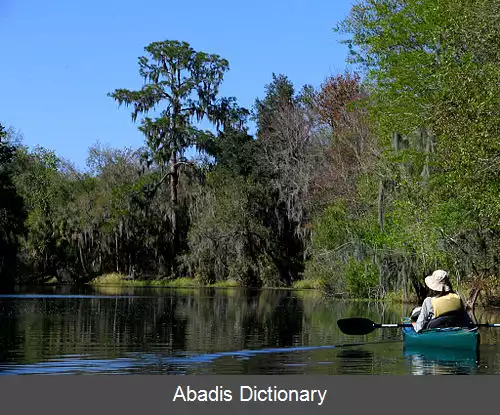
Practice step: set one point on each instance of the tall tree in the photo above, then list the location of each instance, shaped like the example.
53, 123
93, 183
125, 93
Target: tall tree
12, 212
287, 153
41, 184
184, 83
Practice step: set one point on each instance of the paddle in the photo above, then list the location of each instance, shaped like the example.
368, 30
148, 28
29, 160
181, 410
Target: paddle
361, 326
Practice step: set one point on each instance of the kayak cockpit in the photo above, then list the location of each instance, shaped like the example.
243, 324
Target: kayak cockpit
443, 337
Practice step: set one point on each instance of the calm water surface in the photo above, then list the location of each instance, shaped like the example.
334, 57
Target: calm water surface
63, 330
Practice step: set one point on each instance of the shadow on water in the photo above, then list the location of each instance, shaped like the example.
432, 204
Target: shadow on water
356, 361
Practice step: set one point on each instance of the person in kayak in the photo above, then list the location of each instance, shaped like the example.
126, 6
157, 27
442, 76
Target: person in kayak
442, 308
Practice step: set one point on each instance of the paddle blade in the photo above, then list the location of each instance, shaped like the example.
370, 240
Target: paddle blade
356, 326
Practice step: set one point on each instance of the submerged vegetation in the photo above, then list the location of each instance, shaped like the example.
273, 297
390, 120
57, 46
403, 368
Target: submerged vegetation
359, 187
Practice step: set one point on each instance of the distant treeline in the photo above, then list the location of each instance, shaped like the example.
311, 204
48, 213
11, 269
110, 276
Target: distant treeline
360, 186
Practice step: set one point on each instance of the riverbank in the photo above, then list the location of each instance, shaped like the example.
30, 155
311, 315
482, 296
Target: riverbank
120, 280
184, 282
489, 297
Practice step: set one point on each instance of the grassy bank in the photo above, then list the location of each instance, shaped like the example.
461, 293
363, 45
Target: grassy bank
122, 280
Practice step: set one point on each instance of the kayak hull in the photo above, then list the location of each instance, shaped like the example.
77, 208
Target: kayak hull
442, 338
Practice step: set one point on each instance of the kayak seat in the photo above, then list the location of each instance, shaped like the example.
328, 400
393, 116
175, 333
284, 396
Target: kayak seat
453, 319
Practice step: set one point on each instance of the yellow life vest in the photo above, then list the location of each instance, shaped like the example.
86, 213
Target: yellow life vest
446, 304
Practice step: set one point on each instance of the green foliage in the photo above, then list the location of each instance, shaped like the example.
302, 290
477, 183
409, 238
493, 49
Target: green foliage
225, 238
342, 252
12, 212
308, 284
431, 66
234, 151
362, 277
332, 228
45, 192
278, 92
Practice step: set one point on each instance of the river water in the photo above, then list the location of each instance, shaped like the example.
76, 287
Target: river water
70, 330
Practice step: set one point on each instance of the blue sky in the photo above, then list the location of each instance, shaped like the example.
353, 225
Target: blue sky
61, 58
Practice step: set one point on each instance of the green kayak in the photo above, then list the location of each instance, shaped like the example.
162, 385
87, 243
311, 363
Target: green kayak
442, 338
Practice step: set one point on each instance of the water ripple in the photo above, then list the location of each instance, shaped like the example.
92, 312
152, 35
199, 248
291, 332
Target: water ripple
67, 364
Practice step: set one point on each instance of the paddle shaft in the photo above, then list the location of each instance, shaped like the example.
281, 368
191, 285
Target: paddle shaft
379, 326
384, 326
361, 326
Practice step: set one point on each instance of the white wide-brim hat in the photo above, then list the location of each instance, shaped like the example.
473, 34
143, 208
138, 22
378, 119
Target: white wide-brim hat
438, 281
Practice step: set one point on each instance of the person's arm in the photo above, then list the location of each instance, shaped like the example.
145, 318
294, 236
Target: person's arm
425, 314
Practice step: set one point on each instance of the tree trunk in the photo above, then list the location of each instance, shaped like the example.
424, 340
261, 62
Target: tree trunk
81, 258
174, 181
477, 286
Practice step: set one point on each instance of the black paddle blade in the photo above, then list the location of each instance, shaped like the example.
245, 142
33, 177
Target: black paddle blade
356, 326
